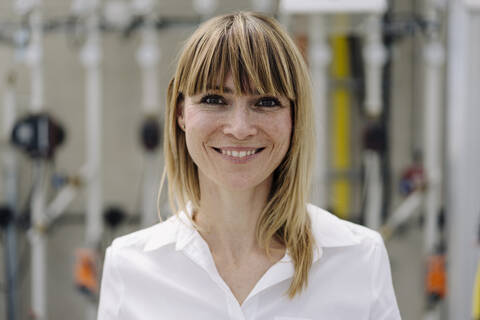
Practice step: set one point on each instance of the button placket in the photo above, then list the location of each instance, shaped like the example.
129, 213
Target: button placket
198, 251
235, 312
250, 307
234, 309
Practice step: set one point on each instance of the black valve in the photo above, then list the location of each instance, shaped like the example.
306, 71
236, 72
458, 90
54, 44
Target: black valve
375, 137
114, 216
39, 135
150, 133
6, 216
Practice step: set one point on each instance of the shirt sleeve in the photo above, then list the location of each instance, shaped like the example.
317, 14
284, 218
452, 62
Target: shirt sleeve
384, 302
111, 291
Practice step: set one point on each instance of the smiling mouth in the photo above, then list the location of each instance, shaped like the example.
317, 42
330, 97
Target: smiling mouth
238, 154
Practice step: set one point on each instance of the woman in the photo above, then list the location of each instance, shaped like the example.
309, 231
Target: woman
239, 141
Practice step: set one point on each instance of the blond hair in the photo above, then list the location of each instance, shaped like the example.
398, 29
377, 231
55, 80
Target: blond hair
261, 58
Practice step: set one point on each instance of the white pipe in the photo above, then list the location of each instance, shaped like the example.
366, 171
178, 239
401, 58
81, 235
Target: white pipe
285, 20
150, 188
433, 56
319, 57
147, 57
9, 115
463, 157
433, 89
11, 195
91, 56
333, 7
91, 59
374, 55
38, 242
65, 196
265, 6
34, 59
206, 8
374, 189
407, 209
435, 313
473, 5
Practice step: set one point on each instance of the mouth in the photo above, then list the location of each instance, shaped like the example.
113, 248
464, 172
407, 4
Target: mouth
236, 153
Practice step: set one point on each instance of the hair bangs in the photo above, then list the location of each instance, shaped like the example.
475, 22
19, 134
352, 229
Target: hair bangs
258, 63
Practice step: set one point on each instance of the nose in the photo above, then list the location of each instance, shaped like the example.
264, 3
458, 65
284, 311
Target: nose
240, 123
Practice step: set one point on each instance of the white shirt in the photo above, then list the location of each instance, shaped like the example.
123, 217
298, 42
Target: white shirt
167, 272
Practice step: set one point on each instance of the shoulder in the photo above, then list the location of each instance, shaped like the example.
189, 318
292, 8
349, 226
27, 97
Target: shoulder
352, 258
341, 242
161, 233
331, 231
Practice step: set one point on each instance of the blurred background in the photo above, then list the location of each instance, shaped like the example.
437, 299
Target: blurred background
82, 91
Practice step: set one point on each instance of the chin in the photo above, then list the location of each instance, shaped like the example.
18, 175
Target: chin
236, 184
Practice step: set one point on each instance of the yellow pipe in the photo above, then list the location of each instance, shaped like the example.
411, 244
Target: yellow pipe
341, 187
476, 296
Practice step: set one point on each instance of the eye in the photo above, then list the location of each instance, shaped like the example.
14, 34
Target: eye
214, 99
268, 102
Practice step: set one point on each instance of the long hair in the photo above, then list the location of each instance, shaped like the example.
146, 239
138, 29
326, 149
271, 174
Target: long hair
262, 58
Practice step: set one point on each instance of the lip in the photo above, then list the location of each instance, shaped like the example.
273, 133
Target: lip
237, 159
232, 148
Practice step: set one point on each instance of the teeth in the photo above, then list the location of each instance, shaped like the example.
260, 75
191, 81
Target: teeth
238, 154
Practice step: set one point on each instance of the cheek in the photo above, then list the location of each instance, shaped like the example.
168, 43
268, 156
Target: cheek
281, 126
196, 121
199, 125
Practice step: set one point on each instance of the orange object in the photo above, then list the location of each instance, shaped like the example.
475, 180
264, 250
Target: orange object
436, 280
86, 278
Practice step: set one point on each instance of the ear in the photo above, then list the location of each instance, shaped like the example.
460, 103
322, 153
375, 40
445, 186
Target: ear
180, 115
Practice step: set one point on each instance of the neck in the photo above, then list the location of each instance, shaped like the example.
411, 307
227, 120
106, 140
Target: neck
228, 218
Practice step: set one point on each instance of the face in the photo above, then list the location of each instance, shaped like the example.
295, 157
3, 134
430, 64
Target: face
236, 141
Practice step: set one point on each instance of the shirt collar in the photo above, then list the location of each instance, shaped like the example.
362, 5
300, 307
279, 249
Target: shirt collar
327, 229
